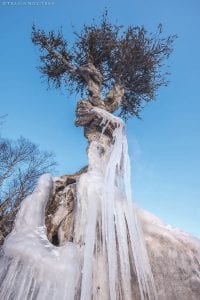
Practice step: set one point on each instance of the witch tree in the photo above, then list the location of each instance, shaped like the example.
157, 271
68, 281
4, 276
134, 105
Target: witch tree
117, 68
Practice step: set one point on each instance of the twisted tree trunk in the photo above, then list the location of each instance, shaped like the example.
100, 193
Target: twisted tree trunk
94, 78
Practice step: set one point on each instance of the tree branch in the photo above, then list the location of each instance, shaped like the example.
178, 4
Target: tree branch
57, 55
114, 98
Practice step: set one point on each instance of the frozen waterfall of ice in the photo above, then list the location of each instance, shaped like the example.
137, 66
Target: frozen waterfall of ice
32, 268
107, 248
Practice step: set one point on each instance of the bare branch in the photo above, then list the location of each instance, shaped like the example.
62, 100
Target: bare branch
21, 163
114, 98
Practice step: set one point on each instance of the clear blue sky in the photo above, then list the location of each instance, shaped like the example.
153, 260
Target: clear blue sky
164, 146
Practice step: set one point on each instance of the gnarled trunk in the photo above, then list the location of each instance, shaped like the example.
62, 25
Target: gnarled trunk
94, 78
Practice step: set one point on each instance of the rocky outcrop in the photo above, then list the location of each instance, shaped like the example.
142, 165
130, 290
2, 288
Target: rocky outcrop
59, 211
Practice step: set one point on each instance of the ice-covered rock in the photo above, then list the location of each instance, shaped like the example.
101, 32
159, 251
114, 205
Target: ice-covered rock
175, 259
81, 236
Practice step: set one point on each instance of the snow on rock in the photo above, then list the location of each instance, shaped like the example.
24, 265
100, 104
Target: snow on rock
174, 257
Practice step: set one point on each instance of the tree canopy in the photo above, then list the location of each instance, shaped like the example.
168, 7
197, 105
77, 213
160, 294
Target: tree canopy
118, 68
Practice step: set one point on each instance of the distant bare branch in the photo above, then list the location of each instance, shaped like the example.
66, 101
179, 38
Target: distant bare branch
21, 163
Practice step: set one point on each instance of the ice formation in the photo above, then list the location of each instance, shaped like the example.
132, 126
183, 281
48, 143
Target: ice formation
107, 248
32, 268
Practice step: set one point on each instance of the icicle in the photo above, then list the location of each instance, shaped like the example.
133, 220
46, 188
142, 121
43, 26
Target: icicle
109, 203
143, 269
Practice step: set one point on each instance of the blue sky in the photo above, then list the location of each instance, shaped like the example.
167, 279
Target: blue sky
164, 146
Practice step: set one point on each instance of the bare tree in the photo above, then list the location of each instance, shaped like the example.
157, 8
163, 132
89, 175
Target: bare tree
118, 68
21, 163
